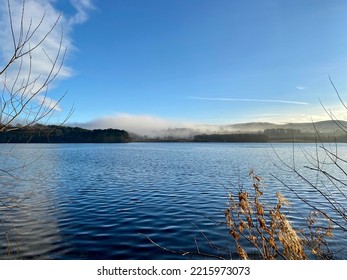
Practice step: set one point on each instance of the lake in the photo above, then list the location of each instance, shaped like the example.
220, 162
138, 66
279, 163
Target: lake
109, 201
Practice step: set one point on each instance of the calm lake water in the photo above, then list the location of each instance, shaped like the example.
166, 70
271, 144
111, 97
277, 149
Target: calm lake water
103, 201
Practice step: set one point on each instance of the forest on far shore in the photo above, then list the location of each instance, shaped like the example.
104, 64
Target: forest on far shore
62, 134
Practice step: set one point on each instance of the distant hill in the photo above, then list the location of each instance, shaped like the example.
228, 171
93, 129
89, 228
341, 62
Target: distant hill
323, 126
325, 131
62, 134
307, 130
328, 131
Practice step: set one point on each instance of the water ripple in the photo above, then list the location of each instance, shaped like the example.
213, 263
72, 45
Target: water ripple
101, 201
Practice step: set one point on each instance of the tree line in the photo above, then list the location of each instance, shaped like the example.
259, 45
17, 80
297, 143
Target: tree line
62, 134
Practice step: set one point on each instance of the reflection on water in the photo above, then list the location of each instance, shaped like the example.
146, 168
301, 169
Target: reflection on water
30, 226
96, 201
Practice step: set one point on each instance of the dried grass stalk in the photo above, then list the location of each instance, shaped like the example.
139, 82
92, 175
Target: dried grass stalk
268, 230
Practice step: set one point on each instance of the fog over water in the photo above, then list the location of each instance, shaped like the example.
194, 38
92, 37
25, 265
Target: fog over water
145, 125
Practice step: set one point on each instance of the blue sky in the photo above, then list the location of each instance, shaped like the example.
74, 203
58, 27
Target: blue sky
178, 63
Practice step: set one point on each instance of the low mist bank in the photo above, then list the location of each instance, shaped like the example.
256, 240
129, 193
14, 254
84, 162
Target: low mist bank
328, 131
143, 127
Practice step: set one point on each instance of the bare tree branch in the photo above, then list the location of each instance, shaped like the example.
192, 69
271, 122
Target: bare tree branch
20, 93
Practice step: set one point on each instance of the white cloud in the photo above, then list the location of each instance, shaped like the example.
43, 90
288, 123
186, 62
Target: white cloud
301, 87
248, 100
49, 102
140, 124
154, 126
83, 8
38, 66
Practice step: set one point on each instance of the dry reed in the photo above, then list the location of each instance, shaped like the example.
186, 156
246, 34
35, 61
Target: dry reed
268, 230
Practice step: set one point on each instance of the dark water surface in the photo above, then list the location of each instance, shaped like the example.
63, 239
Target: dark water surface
102, 201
